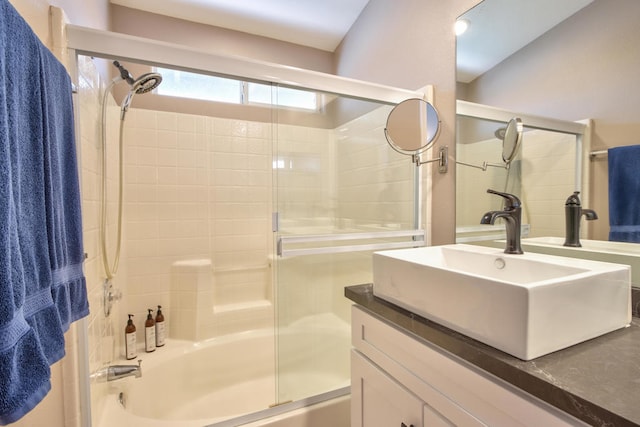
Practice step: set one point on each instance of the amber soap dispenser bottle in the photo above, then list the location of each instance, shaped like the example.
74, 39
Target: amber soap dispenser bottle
160, 330
149, 333
130, 339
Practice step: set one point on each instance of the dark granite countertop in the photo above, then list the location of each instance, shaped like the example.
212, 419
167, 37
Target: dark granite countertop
597, 381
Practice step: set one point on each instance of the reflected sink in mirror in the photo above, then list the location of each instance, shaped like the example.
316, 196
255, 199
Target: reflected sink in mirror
596, 250
526, 305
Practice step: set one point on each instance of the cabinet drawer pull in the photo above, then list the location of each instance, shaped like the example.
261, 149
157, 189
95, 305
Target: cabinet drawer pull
404, 425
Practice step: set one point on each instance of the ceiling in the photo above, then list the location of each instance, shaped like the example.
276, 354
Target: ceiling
321, 24
498, 28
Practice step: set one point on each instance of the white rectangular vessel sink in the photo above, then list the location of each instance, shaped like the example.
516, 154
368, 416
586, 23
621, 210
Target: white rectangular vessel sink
526, 305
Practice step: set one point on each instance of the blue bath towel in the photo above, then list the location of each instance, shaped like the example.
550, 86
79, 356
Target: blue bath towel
624, 194
62, 192
35, 256
24, 263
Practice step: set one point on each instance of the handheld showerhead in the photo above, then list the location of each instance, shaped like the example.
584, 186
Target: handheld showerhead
143, 84
146, 82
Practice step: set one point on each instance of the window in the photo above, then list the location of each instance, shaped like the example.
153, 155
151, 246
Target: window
220, 89
285, 97
199, 86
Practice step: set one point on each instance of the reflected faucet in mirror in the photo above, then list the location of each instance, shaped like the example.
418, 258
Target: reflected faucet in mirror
573, 213
512, 215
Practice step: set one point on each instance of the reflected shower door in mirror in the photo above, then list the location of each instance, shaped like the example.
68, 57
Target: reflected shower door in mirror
542, 174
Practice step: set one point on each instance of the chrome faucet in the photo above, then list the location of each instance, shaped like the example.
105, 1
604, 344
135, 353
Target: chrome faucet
116, 372
573, 213
512, 215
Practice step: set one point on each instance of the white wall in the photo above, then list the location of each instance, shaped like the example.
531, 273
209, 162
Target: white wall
219, 40
92, 13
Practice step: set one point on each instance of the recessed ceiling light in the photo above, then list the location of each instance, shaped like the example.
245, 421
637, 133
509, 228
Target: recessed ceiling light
461, 26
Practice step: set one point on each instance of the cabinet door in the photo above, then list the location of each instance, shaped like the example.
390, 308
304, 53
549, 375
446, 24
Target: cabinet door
378, 401
432, 418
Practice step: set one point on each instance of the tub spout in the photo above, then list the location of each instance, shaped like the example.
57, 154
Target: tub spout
116, 372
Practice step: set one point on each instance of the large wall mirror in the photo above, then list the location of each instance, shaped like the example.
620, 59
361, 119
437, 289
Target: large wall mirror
561, 70
545, 171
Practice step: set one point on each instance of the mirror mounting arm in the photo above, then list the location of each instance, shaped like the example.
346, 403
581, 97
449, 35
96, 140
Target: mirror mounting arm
442, 159
485, 165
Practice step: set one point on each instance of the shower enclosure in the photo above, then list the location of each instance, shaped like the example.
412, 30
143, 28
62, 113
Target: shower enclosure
251, 215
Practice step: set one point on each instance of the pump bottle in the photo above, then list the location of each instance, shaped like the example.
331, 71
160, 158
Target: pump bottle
130, 339
149, 333
160, 330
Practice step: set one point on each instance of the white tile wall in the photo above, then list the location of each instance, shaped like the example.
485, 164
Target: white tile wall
548, 179
198, 188
376, 182
547, 162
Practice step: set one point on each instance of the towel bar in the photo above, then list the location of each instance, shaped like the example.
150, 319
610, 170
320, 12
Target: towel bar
598, 153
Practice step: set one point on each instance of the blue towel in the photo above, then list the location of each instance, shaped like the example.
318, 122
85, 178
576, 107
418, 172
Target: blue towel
62, 192
24, 263
41, 285
624, 194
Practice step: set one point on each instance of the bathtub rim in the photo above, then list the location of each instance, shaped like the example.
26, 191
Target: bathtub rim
284, 408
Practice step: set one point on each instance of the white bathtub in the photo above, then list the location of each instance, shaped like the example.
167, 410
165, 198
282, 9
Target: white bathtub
187, 384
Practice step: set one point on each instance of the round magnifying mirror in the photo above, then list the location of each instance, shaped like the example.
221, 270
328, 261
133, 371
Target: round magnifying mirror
512, 139
412, 126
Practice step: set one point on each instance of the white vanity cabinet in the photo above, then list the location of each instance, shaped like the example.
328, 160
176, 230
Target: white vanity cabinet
400, 380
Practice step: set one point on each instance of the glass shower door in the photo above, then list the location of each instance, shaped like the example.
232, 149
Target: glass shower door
340, 192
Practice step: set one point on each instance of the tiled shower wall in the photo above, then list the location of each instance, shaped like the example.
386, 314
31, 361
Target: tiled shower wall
198, 205
547, 168
376, 182
548, 179
367, 188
